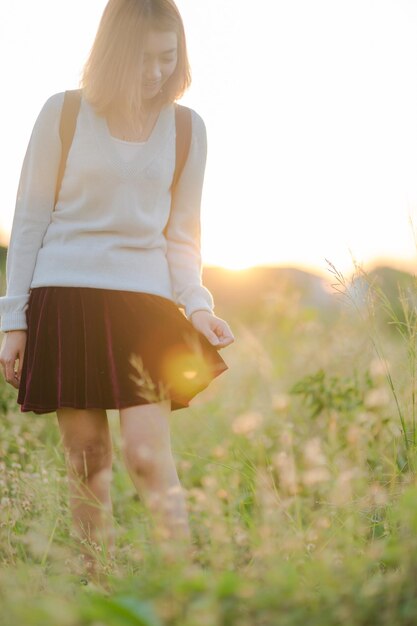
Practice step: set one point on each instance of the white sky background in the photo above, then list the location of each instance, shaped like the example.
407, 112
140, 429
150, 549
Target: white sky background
311, 114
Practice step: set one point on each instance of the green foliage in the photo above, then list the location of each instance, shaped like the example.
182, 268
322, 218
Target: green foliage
7, 397
122, 610
322, 392
299, 482
7, 393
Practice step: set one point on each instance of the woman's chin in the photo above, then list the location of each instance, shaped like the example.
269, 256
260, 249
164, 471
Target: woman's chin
150, 93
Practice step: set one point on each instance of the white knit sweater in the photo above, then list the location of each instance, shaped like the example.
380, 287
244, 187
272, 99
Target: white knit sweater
107, 228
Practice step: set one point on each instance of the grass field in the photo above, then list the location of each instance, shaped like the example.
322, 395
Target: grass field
299, 467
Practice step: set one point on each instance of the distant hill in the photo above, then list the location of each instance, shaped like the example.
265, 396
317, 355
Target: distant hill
390, 279
258, 285
395, 284
254, 288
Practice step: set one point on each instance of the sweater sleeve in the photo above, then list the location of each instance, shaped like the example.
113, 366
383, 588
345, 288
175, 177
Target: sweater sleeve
33, 210
183, 231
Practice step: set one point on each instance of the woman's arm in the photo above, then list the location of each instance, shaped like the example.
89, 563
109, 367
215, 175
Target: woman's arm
183, 231
183, 244
34, 206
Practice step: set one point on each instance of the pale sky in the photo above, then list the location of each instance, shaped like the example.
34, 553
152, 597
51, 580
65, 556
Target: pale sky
311, 114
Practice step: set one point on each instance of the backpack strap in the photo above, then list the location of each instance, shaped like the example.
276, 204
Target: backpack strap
183, 140
183, 127
68, 121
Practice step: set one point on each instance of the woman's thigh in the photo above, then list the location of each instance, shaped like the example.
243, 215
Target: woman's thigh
86, 436
145, 434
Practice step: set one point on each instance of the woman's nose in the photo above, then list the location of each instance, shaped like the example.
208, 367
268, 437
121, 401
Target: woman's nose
152, 71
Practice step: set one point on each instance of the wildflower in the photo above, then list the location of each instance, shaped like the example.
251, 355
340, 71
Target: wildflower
209, 481
247, 423
315, 475
222, 494
378, 495
219, 452
26, 506
197, 494
312, 536
313, 454
323, 522
353, 434
376, 398
285, 466
280, 401
240, 537
286, 438
366, 418
342, 492
378, 368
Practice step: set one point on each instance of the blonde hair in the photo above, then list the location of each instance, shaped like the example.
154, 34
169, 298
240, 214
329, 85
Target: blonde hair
111, 77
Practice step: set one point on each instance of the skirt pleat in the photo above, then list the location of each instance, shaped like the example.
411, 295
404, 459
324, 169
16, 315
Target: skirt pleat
109, 349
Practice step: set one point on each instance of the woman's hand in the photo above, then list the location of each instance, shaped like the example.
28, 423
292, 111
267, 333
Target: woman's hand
12, 349
216, 330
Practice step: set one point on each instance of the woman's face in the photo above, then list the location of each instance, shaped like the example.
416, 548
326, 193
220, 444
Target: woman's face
159, 61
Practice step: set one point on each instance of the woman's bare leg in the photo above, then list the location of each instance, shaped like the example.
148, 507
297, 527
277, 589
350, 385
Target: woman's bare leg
88, 453
146, 448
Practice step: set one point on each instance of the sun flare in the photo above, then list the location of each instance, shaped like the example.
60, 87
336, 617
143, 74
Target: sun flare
235, 264
221, 256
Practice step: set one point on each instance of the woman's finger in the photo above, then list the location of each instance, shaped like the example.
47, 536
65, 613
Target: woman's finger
19, 371
227, 341
224, 341
9, 365
224, 332
10, 374
213, 338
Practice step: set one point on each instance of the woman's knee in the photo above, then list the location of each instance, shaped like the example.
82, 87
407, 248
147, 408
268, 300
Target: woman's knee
146, 460
146, 445
89, 457
86, 441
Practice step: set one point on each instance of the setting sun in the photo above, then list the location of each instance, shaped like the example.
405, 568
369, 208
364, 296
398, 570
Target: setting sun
236, 264
233, 259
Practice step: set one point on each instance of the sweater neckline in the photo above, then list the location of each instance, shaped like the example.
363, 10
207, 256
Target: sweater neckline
149, 148
134, 143
128, 143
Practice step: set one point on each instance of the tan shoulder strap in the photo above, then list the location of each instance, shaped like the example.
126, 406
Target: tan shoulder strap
68, 122
183, 140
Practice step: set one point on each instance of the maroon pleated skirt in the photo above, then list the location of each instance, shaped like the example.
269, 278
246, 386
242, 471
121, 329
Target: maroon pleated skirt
109, 349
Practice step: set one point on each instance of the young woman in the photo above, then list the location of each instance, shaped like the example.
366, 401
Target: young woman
95, 283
